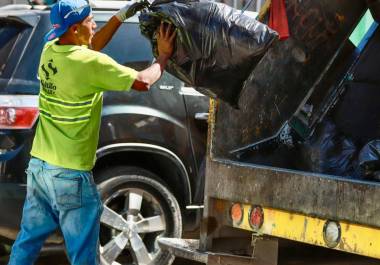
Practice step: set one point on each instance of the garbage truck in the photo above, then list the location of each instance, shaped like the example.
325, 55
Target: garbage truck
298, 157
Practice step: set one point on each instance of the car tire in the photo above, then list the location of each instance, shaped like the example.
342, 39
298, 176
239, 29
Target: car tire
139, 199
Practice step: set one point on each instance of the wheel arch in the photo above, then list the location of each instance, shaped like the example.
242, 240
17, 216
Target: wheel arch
161, 161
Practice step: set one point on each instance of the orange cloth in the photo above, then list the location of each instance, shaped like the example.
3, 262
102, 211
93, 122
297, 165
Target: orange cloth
278, 20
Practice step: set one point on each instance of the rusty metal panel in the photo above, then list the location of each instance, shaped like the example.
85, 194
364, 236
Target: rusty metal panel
265, 253
301, 192
288, 72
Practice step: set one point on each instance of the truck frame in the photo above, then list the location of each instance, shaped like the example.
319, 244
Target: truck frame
252, 201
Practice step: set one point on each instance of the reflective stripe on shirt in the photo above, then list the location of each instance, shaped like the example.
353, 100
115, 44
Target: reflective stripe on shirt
63, 119
65, 103
79, 111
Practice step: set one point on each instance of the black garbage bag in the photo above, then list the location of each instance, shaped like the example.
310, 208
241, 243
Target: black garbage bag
216, 46
330, 152
369, 160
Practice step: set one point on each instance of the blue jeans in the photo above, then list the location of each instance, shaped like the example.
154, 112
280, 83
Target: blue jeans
59, 198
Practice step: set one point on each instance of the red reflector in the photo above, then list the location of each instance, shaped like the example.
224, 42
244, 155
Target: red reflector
237, 213
18, 117
256, 217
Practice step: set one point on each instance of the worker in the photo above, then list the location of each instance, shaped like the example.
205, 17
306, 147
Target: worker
61, 192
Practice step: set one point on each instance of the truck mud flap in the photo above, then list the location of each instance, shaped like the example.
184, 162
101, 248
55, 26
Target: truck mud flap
189, 249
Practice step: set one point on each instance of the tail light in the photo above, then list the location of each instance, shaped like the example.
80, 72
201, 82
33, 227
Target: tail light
256, 217
237, 213
18, 111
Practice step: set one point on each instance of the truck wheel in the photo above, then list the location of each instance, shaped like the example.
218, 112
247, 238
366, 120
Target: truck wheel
138, 210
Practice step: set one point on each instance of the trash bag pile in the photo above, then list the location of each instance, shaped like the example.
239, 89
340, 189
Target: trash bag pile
369, 160
216, 48
329, 151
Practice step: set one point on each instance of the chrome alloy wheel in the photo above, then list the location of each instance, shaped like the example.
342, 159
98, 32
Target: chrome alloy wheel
131, 222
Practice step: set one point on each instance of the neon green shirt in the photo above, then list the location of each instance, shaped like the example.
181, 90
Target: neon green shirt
70, 103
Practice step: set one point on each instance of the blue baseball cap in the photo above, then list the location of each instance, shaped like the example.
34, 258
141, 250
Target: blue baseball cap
64, 14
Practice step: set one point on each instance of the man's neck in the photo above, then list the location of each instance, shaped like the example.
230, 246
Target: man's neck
66, 41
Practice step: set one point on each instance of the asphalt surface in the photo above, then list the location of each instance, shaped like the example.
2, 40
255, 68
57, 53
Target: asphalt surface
61, 260
290, 255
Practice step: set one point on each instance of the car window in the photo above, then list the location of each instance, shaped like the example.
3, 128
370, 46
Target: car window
128, 47
9, 33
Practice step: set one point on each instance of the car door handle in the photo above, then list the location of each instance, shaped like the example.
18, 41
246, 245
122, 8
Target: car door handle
202, 116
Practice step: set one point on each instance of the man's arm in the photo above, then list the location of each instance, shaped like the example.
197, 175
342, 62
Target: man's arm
165, 43
149, 76
105, 34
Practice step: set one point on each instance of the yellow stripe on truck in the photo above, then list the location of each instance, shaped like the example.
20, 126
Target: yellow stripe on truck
354, 238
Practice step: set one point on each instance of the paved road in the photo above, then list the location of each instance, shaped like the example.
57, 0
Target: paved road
290, 255
61, 260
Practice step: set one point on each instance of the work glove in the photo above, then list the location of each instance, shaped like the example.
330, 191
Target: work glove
130, 10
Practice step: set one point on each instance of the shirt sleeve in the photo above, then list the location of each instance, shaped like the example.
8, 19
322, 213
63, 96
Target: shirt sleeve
109, 75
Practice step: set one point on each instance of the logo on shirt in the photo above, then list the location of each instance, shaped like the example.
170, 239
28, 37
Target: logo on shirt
49, 70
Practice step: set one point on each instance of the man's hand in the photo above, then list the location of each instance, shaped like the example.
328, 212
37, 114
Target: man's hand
130, 10
165, 40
